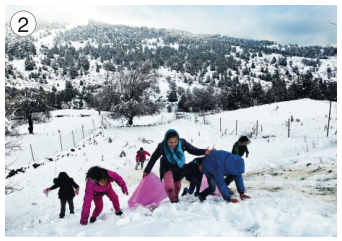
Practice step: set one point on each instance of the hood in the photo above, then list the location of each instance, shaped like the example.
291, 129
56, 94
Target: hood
170, 130
62, 178
234, 164
176, 155
63, 175
243, 140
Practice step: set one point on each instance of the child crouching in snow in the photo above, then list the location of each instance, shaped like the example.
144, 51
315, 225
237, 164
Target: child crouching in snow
193, 174
99, 184
66, 191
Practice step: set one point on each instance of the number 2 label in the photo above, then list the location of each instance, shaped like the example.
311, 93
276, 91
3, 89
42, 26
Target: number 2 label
23, 23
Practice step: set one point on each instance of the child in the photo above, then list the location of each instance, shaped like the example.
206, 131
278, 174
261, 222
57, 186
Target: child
141, 157
194, 175
66, 191
220, 168
240, 147
99, 184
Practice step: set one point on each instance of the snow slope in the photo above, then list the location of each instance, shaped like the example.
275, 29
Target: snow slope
292, 181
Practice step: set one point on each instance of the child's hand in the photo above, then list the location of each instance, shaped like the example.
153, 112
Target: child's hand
243, 196
76, 191
145, 174
207, 153
232, 200
47, 189
246, 155
124, 189
84, 221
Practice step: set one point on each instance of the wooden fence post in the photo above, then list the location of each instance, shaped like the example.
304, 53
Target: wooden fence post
220, 124
236, 127
32, 153
73, 137
329, 119
288, 125
93, 124
60, 138
83, 131
257, 129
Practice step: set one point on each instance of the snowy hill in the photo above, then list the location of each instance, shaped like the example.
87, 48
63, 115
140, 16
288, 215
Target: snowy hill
292, 181
129, 41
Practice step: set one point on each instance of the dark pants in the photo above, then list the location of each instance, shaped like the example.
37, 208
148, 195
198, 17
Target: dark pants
142, 163
212, 185
71, 206
192, 186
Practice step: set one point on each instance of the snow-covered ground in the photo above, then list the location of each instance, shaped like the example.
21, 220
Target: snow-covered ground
292, 181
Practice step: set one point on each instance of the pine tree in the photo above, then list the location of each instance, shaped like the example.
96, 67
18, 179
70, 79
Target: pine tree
73, 72
29, 63
172, 97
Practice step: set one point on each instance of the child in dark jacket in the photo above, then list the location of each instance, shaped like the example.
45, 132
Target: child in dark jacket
193, 175
66, 191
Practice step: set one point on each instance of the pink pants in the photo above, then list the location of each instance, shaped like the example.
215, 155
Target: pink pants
172, 188
99, 203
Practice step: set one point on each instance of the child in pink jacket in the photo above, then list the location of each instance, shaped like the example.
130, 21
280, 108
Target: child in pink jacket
99, 184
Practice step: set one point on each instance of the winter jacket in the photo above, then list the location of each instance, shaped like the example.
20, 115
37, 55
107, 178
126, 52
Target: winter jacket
139, 156
95, 190
66, 186
239, 149
177, 172
220, 164
193, 174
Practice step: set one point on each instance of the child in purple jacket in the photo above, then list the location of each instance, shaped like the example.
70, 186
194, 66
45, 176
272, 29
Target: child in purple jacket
99, 184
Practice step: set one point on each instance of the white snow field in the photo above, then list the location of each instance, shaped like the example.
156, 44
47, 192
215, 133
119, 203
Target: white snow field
292, 181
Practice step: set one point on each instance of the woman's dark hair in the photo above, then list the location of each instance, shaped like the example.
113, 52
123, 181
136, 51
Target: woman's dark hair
171, 135
199, 161
97, 173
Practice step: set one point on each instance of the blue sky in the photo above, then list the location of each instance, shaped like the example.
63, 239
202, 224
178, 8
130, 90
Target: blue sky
304, 25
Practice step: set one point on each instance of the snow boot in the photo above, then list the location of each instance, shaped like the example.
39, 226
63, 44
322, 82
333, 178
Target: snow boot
72, 212
177, 201
185, 191
230, 191
92, 220
61, 216
119, 213
201, 198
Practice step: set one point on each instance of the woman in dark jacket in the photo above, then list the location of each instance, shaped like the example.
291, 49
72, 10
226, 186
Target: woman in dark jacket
172, 168
66, 191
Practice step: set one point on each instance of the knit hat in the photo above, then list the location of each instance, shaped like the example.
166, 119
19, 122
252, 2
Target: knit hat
244, 141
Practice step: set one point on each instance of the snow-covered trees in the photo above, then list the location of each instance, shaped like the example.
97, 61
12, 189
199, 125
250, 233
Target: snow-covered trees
130, 92
172, 97
27, 103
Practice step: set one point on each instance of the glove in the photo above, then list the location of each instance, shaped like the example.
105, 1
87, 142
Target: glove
84, 221
124, 189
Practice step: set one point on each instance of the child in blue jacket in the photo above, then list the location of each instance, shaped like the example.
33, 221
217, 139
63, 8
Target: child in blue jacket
221, 168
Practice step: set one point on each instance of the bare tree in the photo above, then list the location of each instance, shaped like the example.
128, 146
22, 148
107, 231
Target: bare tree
10, 146
129, 92
26, 104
